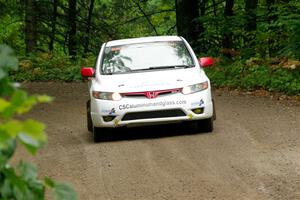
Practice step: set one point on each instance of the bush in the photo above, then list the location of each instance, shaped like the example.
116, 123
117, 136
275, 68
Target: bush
46, 67
21, 181
256, 76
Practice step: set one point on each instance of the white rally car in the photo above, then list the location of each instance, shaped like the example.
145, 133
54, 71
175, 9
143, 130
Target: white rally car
145, 81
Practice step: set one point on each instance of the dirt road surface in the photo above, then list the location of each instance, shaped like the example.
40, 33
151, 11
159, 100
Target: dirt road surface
253, 153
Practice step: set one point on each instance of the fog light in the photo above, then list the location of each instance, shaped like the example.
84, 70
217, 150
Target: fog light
198, 110
108, 118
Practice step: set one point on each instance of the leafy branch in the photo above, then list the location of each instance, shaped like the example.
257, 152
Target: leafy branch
21, 181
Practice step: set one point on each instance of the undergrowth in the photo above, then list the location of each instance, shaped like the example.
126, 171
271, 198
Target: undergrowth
46, 67
242, 76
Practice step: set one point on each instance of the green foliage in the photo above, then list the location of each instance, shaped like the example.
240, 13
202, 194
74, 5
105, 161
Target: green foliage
21, 181
110, 20
11, 26
47, 67
240, 75
7, 62
277, 33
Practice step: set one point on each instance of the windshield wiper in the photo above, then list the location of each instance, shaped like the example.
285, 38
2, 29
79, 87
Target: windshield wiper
164, 67
170, 67
108, 73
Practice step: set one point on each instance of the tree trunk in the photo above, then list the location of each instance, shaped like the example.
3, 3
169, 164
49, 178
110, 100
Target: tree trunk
215, 7
72, 45
229, 8
53, 25
202, 7
250, 27
30, 26
88, 27
187, 16
227, 35
250, 8
272, 16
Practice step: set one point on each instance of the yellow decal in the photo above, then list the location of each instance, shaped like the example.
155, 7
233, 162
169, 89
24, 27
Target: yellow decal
117, 122
190, 116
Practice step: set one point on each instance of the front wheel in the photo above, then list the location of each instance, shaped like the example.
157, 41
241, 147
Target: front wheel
214, 110
96, 134
101, 134
206, 125
88, 116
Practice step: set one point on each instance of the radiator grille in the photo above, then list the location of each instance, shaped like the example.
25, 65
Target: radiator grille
153, 114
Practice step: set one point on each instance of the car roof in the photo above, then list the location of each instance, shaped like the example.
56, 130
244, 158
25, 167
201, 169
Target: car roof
142, 40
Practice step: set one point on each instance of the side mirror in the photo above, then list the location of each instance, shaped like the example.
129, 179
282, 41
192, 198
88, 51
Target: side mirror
206, 61
87, 72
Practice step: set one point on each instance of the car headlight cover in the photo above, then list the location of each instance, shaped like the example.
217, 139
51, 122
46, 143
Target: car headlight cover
114, 96
195, 88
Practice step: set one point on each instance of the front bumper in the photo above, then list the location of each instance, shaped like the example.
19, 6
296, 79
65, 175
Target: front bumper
136, 111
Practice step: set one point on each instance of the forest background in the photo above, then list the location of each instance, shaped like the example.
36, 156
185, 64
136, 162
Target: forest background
256, 43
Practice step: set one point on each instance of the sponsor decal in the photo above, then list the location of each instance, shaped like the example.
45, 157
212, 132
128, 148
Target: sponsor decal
153, 104
117, 122
110, 112
201, 102
116, 49
198, 103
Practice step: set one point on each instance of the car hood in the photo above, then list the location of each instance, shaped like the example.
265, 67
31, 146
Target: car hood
149, 81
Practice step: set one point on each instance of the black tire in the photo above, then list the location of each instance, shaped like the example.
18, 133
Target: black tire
206, 125
102, 134
88, 116
214, 110
96, 134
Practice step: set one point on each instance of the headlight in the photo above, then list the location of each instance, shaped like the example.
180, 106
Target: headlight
114, 96
194, 88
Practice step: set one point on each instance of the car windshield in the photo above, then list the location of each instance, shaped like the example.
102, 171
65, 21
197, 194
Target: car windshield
132, 58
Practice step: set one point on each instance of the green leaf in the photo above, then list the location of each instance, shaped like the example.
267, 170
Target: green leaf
62, 191
3, 104
32, 135
5, 189
44, 98
22, 102
35, 129
35, 189
4, 137
11, 127
49, 182
7, 61
31, 144
17, 100
18, 97
6, 88
28, 171
27, 105
7, 149
17, 185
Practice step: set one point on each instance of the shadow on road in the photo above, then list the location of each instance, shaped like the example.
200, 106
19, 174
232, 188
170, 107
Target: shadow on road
148, 132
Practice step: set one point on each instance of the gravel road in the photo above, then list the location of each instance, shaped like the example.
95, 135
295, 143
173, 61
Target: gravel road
253, 153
